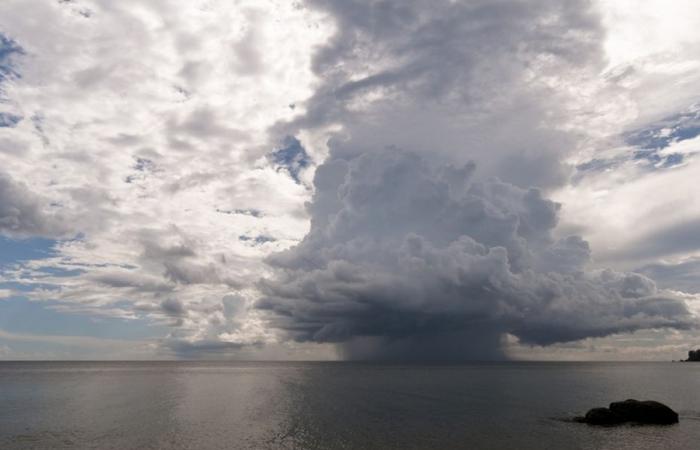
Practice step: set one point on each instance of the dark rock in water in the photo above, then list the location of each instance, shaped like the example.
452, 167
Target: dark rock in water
646, 412
602, 416
693, 356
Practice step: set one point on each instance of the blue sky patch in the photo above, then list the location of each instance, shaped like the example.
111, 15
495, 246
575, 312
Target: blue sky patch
596, 165
650, 140
60, 272
16, 250
649, 143
673, 159
292, 157
659, 135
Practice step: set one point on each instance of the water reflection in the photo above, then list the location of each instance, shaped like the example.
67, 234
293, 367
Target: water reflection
334, 406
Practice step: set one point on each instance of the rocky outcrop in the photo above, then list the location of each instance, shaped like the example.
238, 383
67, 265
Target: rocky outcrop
646, 412
601, 416
693, 356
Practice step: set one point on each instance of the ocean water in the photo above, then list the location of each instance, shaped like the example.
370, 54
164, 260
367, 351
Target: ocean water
186, 405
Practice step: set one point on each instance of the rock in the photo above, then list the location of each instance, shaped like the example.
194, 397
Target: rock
646, 412
602, 416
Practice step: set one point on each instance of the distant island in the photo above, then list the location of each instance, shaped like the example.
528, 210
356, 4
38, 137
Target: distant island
693, 356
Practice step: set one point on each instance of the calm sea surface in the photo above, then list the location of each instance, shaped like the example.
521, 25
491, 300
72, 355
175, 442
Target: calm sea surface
184, 405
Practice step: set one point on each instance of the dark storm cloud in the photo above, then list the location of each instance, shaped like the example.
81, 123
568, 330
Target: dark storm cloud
410, 259
415, 254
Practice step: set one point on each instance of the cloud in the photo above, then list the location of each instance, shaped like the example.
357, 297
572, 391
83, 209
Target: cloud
173, 307
23, 213
205, 349
73, 347
676, 128
141, 124
633, 213
458, 80
8, 120
409, 259
635, 179
414, 253
10, 50
682, 275
681, 237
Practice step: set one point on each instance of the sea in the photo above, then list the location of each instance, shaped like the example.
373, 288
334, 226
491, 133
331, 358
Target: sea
338, 405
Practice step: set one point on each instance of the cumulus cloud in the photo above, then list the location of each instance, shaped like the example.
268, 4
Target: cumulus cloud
414, 253
24, 214
129, 129
408, 259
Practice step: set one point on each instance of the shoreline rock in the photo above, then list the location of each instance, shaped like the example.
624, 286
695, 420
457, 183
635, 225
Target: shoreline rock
647, 412
693, 356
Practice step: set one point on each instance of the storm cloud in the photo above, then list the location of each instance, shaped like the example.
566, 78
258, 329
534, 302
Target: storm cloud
431, 235
408, 259
474, 80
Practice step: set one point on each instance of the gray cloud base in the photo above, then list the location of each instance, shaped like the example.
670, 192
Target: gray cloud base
409, 260
23, 214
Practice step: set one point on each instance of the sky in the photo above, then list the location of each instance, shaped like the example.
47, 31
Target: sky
366, 180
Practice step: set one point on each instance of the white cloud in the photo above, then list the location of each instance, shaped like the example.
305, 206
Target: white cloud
144, 128
634, 198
